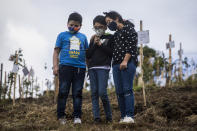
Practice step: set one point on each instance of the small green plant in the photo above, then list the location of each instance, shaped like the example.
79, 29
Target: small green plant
137, 88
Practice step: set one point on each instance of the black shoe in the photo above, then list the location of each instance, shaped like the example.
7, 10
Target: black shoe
108, 120
97, 120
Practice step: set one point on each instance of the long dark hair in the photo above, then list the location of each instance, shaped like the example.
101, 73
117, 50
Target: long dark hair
114, 15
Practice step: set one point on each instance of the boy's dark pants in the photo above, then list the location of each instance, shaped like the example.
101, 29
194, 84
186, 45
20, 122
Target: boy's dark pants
70, 75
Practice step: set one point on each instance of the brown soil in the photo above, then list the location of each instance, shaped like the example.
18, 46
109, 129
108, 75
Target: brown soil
167, 109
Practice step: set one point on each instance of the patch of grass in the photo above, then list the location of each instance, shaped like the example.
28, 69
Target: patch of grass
137, 88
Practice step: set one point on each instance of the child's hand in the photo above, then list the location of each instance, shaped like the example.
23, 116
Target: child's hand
55, 70
97, 40
123, 65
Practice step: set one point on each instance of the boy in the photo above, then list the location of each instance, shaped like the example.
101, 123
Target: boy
99, 55
71, 46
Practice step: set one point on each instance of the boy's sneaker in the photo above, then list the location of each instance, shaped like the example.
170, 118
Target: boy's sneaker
128, 120
77, 121
62, 121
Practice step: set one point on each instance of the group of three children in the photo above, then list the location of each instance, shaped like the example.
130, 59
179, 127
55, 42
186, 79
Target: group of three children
73, 52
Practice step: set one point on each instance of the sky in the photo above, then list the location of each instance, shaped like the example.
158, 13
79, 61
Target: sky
33, 25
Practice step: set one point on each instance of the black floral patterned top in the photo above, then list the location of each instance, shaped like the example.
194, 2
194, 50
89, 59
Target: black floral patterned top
125, 41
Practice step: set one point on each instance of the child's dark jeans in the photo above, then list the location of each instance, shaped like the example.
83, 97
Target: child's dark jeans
68, 76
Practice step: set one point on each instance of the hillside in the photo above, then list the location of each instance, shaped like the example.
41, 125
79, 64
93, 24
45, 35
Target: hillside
167, 109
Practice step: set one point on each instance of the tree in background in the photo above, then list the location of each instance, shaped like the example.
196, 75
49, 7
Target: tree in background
147, 64
26, 84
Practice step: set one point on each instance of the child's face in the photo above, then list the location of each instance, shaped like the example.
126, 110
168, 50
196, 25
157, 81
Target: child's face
108, 20
99, 26
112, 24
74, 25
99, 29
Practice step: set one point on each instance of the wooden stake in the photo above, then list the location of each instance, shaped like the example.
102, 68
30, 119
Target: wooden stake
19, 84
22, 88
170, 62
10, 89
5, 85
1, 87
1, 75
15, 76
175, 76
56, 88
37, 87
140, 80
85, 81
32, 87
47, 89
27, 90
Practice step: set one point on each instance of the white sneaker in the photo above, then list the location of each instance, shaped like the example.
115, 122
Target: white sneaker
62, 121
77, 121
128, 120
121, 120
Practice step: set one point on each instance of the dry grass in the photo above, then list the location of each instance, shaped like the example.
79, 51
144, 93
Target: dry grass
167, 109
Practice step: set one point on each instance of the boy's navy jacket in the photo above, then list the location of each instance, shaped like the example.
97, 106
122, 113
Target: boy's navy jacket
100, 55
73, 48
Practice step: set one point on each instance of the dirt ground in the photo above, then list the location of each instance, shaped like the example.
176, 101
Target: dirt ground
168, 109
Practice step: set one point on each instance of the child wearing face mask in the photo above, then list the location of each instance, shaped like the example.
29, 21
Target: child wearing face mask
124, 64
70, 50
99, 55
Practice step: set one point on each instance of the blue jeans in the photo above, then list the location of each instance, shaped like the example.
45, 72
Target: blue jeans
123, 80
70, 75
98, 84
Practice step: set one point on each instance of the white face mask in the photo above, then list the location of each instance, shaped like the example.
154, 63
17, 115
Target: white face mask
99, 32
